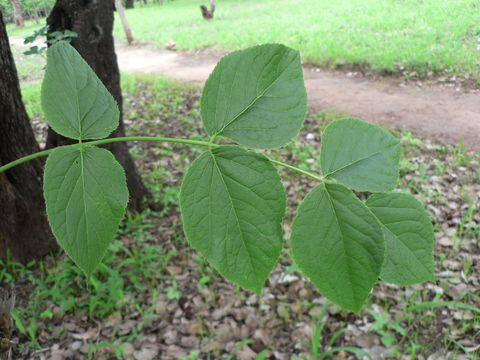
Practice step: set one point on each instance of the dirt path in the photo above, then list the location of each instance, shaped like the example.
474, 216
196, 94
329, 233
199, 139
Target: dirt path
435, 112
438, 112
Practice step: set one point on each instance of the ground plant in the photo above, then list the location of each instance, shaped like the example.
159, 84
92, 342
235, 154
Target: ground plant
232, 199
52, 37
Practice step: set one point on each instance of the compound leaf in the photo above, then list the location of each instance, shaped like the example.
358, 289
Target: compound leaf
409, 238
232, 204
338, 244
76, 103
86, 195
256, 96
360, 155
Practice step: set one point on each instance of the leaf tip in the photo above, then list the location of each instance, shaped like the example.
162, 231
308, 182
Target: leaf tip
257, 290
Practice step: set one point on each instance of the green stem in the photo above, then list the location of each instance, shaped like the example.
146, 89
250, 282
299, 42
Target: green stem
107, 141
24, 159
146, 138
316, 177
152, 138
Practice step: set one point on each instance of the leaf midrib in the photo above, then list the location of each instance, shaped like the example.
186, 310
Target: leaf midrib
82, 176
343, 240
82, 165
234, 211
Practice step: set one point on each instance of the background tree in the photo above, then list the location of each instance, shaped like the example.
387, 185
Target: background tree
7, 302
17, 13
24, 228
129, 4
31, 9
123, 19
36, 9
208, 13
93, 22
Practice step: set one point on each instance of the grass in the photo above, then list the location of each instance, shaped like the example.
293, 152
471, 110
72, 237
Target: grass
117, 288
386, 36
31, 97
423, 37
29, 67
28, 29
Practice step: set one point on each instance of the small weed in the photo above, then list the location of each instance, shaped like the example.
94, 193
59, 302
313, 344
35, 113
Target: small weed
319, 352
173, 293
194, 355
383, 326
94, 348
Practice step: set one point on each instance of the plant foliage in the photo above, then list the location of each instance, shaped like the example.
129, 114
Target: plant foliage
52, 38
338, 244
232, 200
86, 195
233, 203
256, 97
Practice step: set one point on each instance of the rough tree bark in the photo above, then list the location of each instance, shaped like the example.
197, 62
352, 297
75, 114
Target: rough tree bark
7, 302
92, 20
17, 13
24, 228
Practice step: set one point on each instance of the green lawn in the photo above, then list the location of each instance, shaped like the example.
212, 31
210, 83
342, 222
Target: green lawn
28, 29
426, 35
384, 35
30, 68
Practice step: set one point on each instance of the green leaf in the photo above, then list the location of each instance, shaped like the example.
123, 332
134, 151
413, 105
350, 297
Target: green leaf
360, 155
409, 238
232, 205
338, 244
256, 96
86, 195
76, 103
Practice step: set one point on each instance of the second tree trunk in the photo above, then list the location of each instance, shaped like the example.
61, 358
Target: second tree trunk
24, 230
93, 22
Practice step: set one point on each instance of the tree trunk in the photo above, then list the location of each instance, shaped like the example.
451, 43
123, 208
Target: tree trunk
17, 13
24, 229
35, 16
208, 13
93, 22
7, 302
129, 4
123, 19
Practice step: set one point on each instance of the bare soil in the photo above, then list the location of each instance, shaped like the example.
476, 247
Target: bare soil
441, 111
